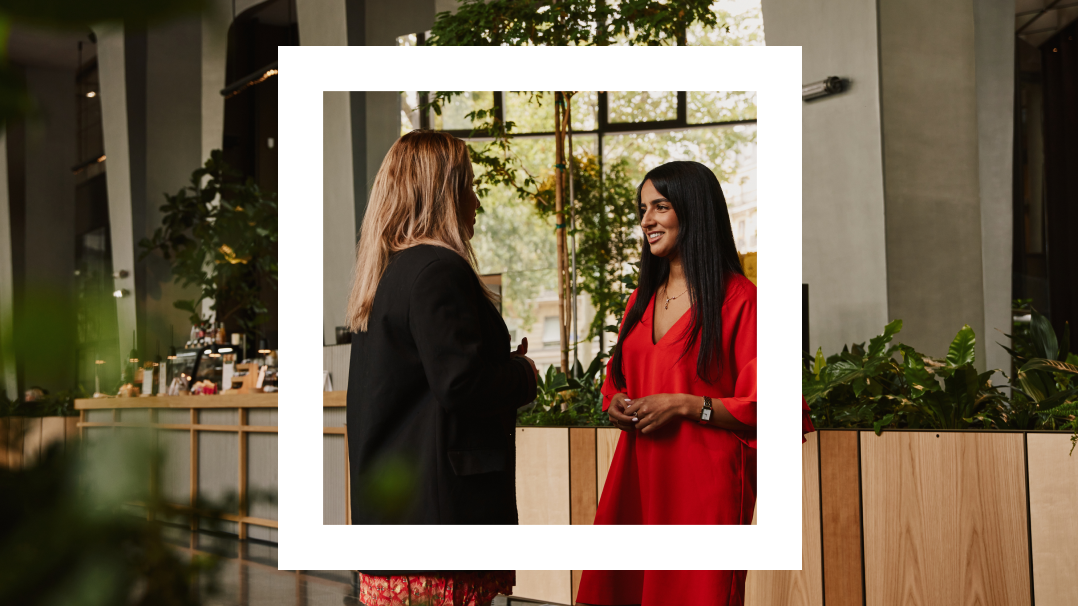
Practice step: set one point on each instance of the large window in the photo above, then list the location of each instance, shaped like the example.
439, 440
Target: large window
641, 128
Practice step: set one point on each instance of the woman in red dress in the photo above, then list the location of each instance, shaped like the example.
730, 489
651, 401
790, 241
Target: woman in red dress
681, 385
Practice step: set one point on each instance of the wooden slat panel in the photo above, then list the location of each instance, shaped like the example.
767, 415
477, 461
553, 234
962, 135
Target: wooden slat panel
582, 493
841, 507
606, 442
543, 476
548, 585
796, 587
5, 443
52, 432
31, 441
16, 437
227, 400
1053, 498
582, 489
334, 398
945, 519
71, 430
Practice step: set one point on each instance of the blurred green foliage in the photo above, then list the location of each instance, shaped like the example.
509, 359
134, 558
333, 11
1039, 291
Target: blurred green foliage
575, 400
66, 537
220, 234
59, 404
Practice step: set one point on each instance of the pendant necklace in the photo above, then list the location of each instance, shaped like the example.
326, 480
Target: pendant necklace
669, 299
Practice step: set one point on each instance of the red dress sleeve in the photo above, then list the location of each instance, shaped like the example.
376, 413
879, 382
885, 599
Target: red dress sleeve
609, 390
739, 320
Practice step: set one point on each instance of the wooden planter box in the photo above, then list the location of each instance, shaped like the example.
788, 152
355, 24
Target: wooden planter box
214, 447
933, 517
23, 439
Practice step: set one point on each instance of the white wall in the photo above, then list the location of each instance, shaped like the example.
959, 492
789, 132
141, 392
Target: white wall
843, 243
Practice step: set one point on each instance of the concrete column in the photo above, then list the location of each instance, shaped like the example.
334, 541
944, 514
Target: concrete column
935, 276
326, 24
338, 208
7, 282
112, 70
174, 141
214, 44
322, 22
844, 257
994, 29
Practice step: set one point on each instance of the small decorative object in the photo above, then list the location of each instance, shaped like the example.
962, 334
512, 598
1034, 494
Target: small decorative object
227, 370
127, 390
250, 378
178, 387
327, 381
162, 378
204, 388
147, 381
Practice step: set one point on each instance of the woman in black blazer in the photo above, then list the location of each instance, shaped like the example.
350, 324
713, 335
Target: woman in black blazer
433, 387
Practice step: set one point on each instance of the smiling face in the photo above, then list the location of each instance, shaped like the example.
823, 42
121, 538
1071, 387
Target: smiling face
470, 205
658, 221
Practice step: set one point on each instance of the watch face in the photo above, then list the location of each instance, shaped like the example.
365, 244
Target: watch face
706, 415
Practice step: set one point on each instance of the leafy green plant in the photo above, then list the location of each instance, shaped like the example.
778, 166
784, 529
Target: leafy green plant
888, 385
568, 400
59, 404
570, 22
220, 234
871, 387
605, 223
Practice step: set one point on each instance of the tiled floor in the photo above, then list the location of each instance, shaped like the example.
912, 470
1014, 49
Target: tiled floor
247, 575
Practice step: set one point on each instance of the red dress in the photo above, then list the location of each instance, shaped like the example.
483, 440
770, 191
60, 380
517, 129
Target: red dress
461, 588
684, 473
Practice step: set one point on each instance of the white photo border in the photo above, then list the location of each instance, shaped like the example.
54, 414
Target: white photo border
305, 543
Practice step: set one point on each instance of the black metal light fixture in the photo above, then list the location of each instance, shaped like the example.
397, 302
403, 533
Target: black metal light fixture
256, 77
828, 86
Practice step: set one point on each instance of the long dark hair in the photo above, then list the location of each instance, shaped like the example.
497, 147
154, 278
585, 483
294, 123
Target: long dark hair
705, 243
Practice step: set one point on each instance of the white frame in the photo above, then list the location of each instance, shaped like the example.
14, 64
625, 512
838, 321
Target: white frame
775, 543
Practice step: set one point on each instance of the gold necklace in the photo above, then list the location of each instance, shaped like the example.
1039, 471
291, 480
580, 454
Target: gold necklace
669, 299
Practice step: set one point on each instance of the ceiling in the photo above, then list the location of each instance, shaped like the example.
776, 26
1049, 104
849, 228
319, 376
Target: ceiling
1038, 20
48, 48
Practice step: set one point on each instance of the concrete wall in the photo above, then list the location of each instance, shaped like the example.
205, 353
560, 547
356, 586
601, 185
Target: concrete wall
48, 358
359, 128
843, 243
995, 119
338, 208
7, 282
173, 150
935, 279
907, 174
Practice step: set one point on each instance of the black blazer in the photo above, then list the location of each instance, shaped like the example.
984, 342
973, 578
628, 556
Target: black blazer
432, 399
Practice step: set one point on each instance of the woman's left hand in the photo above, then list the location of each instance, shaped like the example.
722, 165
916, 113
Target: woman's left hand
652, 412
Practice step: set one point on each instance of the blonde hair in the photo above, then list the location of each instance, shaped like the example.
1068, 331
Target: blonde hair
416, 199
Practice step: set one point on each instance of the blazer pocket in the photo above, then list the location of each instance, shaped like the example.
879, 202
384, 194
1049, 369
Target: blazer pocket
472, 462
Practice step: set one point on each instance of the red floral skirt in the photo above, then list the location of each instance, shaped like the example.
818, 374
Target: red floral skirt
436, 589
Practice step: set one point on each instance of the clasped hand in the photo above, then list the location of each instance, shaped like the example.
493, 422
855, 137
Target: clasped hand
648, 413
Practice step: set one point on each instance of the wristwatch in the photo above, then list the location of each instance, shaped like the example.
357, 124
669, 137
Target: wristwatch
705, 412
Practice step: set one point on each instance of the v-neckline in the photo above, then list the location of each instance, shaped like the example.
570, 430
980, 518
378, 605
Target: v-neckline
654, 302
